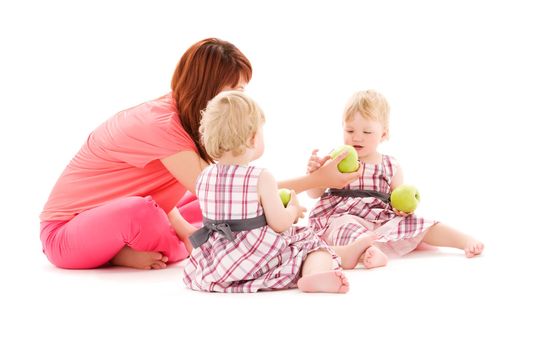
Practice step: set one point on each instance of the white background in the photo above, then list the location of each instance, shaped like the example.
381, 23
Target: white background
463, 80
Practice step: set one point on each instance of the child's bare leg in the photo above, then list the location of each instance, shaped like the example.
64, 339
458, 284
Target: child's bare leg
351, 253
444, 236
318, 275
129, 257
373, 257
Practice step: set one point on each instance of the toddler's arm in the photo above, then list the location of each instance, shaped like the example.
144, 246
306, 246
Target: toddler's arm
397, 180
398, 177
278, 217
182, 227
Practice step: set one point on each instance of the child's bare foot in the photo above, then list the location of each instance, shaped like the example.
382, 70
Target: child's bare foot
473, 247
129, 257
328, 282
351, 253
373, 257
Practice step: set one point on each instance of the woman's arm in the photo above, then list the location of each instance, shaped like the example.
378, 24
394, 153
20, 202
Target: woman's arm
315, 192
278, 217
185, 166
327, 176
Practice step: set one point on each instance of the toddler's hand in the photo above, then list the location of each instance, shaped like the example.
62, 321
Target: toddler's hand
315, 162
401, 213
294, 202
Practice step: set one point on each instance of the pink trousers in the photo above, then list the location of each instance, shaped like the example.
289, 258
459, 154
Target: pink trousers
95, 236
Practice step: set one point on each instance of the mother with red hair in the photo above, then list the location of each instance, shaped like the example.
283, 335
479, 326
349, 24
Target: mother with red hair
123, 200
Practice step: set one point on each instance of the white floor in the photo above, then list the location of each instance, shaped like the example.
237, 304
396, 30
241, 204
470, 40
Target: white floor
426, 300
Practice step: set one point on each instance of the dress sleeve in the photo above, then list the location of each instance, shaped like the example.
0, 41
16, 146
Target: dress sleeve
393, 164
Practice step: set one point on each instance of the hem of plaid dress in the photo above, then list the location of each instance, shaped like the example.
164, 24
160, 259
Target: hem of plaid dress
193, 281
333, 234
397, 249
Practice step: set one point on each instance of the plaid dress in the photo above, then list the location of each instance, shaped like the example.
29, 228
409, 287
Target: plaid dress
341, 220
258, 259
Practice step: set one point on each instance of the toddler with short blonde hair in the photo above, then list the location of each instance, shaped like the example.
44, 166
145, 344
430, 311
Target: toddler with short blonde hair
342, 216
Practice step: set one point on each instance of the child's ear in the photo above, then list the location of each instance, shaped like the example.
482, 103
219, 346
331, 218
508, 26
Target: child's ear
385, 135
251, 141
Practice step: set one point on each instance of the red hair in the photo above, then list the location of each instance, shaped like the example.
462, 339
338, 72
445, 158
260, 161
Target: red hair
204, 70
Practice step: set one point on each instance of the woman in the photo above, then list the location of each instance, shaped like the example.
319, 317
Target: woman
117, 201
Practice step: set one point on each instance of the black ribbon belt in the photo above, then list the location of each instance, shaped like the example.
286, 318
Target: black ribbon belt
226, 228
385, 197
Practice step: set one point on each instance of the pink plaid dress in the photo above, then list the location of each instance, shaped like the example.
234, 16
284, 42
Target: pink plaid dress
258, 259
341, 220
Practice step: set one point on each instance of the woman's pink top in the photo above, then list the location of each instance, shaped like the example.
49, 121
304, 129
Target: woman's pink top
121, 158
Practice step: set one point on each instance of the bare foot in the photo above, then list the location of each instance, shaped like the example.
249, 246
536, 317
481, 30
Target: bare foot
129, 257
351, 253
473, 247
373, 257
327, 282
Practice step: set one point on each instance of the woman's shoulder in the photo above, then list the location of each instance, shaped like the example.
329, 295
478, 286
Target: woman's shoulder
155, 122
160, 112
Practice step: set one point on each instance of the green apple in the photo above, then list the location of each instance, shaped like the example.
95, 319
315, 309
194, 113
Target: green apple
349, 164
285, 195
405, 198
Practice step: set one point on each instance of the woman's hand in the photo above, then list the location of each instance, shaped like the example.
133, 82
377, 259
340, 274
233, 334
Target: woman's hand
315, 162
330, 177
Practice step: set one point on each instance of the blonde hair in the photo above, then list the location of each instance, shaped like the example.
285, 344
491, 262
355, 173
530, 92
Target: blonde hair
228, 123
371, 105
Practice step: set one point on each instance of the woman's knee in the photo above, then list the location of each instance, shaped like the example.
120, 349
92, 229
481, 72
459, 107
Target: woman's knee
151, 230
146, 213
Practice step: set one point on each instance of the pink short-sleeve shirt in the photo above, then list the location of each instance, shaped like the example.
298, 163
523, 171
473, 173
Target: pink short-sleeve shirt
121, 158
